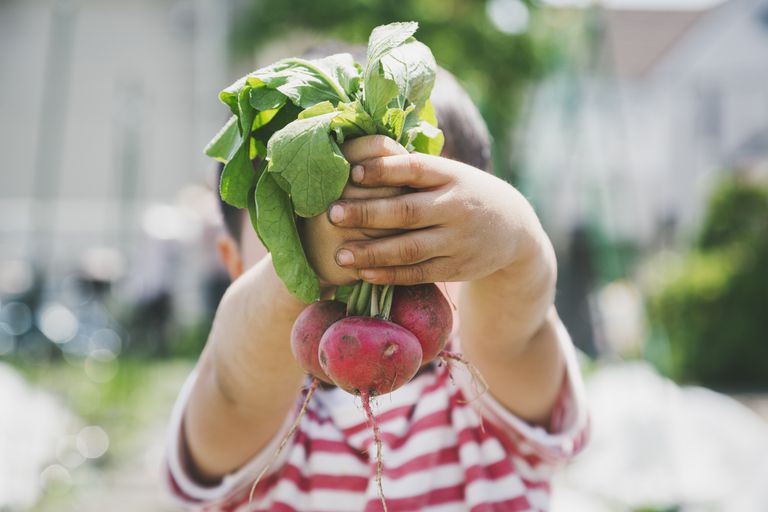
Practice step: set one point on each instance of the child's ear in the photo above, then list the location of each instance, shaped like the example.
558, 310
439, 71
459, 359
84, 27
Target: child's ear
230, 256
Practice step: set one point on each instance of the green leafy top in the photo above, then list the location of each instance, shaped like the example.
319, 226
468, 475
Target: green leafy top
293, 115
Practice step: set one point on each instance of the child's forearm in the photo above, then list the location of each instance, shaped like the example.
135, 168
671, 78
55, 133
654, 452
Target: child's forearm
509, 328
511, 304
247, 378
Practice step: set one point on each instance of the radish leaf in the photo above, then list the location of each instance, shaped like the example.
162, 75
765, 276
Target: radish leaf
412, 67
425, 138
277, 228
305, 82
352, 120
225, 143
238, 177
379, 90
308, 159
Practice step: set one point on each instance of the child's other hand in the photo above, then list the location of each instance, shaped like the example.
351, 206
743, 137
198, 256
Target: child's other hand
461, 224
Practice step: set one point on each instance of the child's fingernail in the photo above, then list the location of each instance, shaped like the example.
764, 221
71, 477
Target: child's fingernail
345, 257
336, 213
368, 274
357, 173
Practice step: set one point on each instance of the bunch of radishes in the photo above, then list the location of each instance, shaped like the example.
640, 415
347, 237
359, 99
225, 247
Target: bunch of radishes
377, 341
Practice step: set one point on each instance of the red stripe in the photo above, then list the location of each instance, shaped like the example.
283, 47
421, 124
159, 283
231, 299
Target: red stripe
452, 494
490, 472
382, 418
335, 447
321, 481
279, 506
539, 485
449, 455
434, 420
175, 489
517, 504
317, 418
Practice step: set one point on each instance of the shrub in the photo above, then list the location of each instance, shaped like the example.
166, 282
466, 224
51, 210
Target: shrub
714, 310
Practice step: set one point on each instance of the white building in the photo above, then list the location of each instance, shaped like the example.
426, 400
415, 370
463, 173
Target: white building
105, 107
633, 139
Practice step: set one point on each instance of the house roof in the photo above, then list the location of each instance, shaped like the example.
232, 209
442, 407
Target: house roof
636, 40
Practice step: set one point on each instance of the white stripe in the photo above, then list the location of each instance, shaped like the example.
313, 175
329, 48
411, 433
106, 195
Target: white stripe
345, 408
328, 463
447, 507
485, 454
321, 431
427, 441
464, 416
485, 491
539, 473
539, 499
317, 500
422, 482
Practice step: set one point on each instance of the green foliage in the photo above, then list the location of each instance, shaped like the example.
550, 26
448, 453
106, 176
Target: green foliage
309, 162
713, 310
736, 212
276, 226
496, 67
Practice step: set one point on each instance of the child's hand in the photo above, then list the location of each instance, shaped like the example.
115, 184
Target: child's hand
462, 224
322, 239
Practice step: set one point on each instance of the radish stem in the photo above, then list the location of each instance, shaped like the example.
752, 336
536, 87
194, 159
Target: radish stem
383, 297
362, 299
375, 300
352, 301
386, 310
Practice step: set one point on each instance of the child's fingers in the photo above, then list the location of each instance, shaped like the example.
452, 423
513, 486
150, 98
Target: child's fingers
371, 146
430, 271
406, 249
407, 211
411, 170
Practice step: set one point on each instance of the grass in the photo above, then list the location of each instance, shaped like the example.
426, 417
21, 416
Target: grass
132, 407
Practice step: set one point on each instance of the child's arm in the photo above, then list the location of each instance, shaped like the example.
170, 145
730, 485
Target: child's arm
247, 377
466, 225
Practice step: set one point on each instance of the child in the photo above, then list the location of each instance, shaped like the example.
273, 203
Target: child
404, 219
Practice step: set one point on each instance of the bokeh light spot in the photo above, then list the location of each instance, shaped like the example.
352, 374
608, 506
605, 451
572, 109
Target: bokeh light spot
16, 318
58, 323
92, 442
508, 16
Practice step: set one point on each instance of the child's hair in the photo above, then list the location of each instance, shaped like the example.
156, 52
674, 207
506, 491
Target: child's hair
466, 135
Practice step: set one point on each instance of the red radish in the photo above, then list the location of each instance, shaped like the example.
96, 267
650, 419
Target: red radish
308, 330
423, 310
369, 356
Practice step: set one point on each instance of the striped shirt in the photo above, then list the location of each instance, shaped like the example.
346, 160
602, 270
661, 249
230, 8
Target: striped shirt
441, 452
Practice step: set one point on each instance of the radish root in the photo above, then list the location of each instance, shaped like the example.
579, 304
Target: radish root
481, 385
377, 439
284, 442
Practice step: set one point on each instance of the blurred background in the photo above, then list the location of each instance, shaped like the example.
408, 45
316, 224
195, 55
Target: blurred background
638, 128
